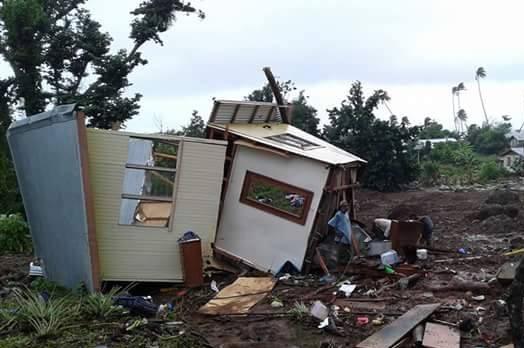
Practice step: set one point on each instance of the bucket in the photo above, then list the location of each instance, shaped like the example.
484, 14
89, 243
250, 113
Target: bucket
319, 310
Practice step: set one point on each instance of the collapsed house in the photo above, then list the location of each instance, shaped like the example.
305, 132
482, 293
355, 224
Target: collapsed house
111, 205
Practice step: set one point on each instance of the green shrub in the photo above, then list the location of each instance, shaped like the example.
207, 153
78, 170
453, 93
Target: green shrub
44, 318
14, 235
491, 171
430, 173
101, 306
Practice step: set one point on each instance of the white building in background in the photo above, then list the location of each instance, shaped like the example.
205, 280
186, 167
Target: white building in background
421, 143
510, 156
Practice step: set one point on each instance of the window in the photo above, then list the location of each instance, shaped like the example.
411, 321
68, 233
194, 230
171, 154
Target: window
275, 197
293, 140
508, 161
149, 180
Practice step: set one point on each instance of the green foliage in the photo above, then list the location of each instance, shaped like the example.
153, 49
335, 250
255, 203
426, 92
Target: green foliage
42, 284
490, 170
54, 46
488, 139
299, 311
45, 318
433, 130
14, 235
196, 127
387, 146
101, 306
430, 173
303, 115
518, 167
273, 196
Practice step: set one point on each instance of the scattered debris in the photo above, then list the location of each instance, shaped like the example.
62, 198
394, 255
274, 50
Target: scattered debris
319, 310
361, 321
240, 296
395, 331
506, 273
441, 336
347, 288
478, 298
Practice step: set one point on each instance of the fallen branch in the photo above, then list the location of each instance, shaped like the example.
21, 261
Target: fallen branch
469, 258
412, 278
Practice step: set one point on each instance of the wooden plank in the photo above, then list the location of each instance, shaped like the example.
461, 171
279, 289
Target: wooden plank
164, 155
276, 92
268, 117
441, 336
141, 166
372, 306
394, 332
240, 296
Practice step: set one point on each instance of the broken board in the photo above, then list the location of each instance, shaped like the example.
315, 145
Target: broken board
440, 336
394, 332
371, 306
239, 297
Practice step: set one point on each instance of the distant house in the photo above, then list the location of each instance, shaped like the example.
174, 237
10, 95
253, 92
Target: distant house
510, 156
516, 138
421, 143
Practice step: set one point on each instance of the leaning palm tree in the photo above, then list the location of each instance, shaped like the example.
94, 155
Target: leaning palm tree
463, 118
480, 74
460, 87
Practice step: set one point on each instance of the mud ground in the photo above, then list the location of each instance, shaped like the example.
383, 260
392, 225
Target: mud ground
455, 215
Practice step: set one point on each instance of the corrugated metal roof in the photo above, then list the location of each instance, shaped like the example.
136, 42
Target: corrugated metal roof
228, 111
517, 150
266, 133
516, 134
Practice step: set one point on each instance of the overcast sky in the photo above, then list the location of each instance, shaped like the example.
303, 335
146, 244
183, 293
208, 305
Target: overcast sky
415, 50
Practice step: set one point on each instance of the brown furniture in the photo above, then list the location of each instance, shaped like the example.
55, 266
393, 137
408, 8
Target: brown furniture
191, 253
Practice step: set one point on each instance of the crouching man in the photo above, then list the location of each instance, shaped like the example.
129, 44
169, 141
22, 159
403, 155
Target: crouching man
347, 241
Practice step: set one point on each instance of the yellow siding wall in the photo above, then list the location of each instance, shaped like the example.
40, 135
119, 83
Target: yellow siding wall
152, 253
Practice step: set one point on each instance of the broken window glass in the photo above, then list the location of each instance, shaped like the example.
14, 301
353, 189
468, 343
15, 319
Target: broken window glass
148, 184
276, 197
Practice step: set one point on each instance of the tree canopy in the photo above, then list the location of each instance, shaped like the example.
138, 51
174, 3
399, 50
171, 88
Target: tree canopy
59, 54
386, 145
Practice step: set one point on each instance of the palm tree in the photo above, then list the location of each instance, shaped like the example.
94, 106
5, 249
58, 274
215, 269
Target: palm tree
453, 93
460, 87
463, 118
480, 74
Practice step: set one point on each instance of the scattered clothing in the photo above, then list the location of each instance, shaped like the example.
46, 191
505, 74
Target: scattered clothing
342, 225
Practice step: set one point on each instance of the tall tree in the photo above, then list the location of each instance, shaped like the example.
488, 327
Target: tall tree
386, 145
462, 118
303, 115
55, 47
453, 94
431, 129
196, 127
480, 74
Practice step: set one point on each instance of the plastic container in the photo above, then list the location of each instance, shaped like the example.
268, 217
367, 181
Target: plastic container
377, 247
319, 310
389, 257
422, 254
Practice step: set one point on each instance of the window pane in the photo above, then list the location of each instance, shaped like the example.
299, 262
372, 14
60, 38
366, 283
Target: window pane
148, 183
152, 153
276, 197
144, 213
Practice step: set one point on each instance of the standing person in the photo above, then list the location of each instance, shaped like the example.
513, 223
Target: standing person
427, 232
342, 225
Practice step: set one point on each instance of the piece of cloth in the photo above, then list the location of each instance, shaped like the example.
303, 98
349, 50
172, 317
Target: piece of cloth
384, 225
342, 225
428, 228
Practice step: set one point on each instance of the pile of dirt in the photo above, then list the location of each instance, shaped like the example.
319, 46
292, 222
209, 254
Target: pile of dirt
405, 212
500, 224
497, 209
503, 197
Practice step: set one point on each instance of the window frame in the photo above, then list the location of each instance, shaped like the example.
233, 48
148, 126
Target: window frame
146, 168
250, 176
295, 141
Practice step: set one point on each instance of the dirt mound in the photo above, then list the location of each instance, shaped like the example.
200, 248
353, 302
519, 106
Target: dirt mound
499, 224
496, 209
503, 197
405, 211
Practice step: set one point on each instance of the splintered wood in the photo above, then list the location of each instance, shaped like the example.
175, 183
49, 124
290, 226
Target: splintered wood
395, 331
239, 297
440, 336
